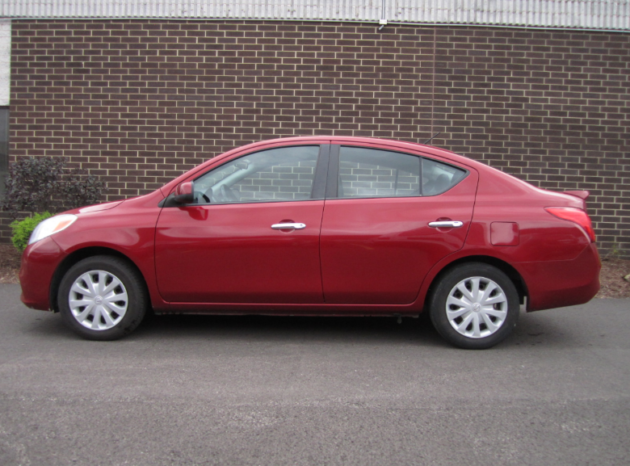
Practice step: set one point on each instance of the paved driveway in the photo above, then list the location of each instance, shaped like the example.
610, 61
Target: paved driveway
298, 391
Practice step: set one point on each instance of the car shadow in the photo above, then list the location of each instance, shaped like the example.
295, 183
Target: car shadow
544, 330
533, 330
289, 329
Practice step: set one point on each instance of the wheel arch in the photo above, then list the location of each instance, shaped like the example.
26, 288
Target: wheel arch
79, 255
507, 269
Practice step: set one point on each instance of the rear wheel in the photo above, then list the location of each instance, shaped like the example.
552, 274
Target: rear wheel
102, 298
474, 306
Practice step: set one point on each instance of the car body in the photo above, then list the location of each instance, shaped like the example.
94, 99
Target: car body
322, 226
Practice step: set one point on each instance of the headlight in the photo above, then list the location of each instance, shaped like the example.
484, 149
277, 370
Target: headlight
51, 226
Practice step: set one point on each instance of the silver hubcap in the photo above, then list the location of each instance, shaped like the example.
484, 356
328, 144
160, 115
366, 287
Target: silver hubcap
476, 307
98, 300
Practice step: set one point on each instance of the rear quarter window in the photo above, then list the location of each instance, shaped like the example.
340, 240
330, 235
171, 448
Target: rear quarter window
438, 177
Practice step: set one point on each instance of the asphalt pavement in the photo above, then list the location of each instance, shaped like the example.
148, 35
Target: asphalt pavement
212, 390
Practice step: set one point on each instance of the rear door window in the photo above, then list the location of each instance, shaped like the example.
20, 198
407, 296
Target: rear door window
377, 173
366, 173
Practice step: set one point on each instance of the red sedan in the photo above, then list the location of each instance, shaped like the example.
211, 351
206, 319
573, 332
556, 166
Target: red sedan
321, 226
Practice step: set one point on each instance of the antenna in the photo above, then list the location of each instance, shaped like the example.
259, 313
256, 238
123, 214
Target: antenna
431, 138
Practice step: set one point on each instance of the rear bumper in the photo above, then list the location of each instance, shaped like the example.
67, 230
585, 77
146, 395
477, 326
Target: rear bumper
562, 283
39, 262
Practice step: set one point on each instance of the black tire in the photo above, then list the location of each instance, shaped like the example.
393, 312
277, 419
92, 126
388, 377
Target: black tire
498, 305
110, 315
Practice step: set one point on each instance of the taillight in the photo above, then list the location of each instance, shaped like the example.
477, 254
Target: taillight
574, 215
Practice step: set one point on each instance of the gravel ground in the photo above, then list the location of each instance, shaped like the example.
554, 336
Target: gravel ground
9, 264
613, 283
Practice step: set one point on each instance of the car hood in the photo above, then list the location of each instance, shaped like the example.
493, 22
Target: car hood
99, 207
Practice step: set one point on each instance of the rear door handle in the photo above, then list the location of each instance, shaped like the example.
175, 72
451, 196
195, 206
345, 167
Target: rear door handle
446, 224
288, 226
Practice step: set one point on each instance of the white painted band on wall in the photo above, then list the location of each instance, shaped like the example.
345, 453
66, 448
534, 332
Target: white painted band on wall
5, 61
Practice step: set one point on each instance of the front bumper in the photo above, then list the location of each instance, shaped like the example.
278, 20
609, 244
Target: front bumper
39, 262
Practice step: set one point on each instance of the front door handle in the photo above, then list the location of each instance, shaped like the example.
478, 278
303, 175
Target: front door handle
446, 224
288, 226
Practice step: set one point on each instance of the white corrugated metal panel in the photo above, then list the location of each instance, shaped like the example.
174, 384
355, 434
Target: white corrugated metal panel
583, 14
579, 14
335, 10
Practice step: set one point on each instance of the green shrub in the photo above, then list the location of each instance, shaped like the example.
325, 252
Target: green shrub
22, 229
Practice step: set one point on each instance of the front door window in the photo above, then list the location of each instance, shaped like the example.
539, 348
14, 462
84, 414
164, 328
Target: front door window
282, 174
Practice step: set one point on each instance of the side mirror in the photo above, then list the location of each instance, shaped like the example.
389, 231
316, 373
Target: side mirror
183, 194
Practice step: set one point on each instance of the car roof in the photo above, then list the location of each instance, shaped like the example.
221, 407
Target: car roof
354, 140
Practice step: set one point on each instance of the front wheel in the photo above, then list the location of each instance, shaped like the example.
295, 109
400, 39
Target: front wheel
102, 298
474, 306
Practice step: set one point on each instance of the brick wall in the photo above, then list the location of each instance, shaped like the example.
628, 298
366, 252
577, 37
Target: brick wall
138, 102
